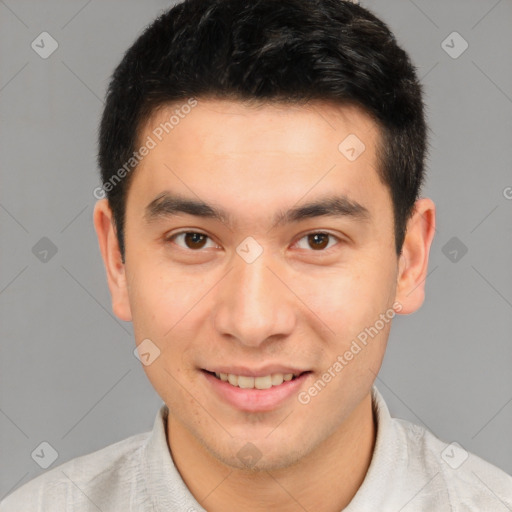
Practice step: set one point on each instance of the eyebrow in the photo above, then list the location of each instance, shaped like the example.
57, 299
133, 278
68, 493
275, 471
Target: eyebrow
168, 205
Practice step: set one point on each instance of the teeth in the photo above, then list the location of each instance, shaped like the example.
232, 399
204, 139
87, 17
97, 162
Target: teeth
246, 382
277, 379
263, 382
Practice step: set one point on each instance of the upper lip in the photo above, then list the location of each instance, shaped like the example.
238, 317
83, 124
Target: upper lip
256, 372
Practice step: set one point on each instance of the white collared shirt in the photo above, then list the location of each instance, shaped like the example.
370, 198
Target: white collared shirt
411, 470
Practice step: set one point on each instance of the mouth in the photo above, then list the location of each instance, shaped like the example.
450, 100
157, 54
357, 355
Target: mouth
268, 391
250, 382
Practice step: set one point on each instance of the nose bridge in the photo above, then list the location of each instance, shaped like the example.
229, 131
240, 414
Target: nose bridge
252, 304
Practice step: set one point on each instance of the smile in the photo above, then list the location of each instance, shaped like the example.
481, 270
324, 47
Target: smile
260, 393
248, 382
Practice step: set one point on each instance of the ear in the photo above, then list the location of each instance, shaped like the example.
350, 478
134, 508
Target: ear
114, 266
413, 262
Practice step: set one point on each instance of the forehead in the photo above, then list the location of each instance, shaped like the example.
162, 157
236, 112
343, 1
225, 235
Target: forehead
248, 156
222, 126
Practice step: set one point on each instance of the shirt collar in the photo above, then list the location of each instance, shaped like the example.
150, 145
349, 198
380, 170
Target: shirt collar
380, 489
165, 487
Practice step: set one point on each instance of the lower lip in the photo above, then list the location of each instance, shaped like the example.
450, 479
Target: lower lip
256, 400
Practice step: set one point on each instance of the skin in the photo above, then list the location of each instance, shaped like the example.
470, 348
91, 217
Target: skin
295, 304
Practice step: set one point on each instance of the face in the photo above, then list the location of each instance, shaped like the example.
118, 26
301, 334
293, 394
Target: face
259, 245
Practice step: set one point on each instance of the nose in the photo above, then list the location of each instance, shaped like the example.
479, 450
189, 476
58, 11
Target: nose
253, 304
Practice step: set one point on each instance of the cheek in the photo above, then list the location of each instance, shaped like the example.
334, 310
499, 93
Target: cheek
161, 305
160, 299
351, 304
347, 299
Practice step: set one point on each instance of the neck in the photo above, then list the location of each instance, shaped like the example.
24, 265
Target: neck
325, 480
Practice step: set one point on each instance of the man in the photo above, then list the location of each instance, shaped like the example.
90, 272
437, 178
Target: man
262, 164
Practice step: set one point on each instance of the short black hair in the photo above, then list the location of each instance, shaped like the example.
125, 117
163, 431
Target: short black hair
284, 51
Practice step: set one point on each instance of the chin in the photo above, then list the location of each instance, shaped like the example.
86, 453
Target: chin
260, 455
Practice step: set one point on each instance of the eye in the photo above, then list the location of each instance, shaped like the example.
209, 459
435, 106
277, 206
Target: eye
318, 241
192, 240
195, 241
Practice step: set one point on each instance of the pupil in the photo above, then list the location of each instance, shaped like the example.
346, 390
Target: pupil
194, 240
318, 237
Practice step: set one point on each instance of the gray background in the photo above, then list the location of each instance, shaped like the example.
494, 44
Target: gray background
68, 375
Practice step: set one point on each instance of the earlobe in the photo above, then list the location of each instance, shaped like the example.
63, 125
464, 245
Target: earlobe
413, 262
111, 254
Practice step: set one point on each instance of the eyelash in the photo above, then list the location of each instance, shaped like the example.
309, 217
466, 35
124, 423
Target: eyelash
172, 237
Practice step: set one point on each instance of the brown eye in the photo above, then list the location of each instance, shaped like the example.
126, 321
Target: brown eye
317, 241
195, 240
190, 240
